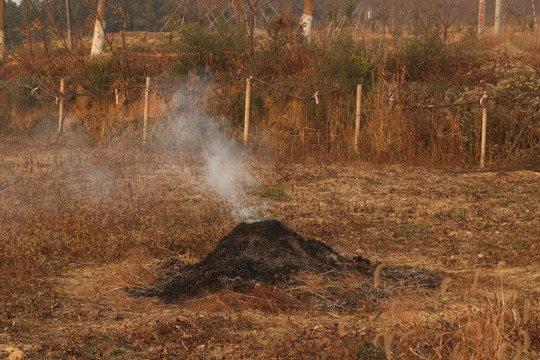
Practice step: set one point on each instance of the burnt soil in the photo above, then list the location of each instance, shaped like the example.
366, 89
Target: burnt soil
267, 252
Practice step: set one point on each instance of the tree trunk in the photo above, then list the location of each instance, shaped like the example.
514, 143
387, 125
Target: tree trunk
69, 30
99, 29
481, 14
307, 18
237, 13
2, 47
499, 13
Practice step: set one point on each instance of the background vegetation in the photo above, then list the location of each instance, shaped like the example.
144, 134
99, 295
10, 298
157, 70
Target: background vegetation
422, 67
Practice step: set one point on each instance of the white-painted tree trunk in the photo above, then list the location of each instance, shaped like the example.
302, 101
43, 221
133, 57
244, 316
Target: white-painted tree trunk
306, 21
99, 29
498, 17
481, 15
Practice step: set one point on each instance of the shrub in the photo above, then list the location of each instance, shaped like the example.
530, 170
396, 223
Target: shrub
342, 56
283, 52
422, 55
209, 52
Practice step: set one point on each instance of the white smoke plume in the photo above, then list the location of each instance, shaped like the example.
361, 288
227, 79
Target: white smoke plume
225, 170
227, 174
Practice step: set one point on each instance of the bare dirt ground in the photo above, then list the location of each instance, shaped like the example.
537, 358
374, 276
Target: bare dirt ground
79, 226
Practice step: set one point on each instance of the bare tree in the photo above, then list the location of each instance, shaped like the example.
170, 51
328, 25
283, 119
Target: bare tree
247, 12
307, 17
254, 7
436, 17
99, 29
447, 14
237, 12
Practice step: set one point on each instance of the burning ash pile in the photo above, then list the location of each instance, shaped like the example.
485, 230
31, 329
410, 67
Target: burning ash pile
261, 252
266, 252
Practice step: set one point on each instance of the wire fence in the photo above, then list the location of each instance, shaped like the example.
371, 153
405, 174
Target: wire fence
435, 123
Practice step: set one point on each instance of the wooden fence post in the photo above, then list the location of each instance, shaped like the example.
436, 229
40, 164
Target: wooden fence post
328, 124
61, 108
358, 115
246, 112
483, 102
145, 123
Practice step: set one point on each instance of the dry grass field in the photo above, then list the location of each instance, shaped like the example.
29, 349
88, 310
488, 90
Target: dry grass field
80, 226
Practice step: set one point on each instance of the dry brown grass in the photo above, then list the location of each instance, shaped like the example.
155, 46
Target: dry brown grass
527, 40
78, 225
469, 322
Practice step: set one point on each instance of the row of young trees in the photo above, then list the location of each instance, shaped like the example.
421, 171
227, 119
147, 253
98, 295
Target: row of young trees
393, 16
145, 15
79, 16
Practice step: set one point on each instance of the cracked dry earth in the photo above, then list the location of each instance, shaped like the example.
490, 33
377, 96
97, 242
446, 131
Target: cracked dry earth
79, 227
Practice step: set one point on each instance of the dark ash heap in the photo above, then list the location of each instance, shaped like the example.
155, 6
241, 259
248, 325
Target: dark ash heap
265, 252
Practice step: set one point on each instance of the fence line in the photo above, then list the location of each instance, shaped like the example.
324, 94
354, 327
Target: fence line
324, 108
